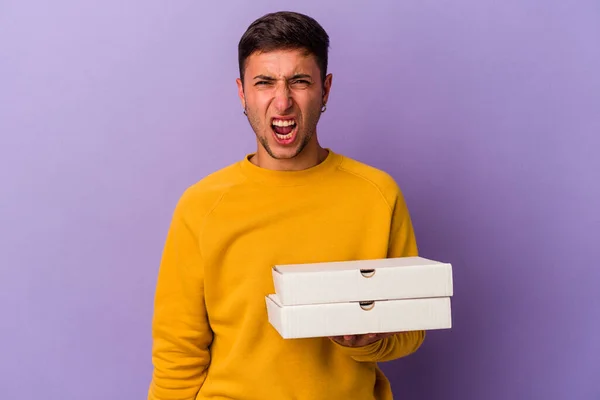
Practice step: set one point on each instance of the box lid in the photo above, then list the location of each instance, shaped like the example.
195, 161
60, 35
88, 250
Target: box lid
362, 280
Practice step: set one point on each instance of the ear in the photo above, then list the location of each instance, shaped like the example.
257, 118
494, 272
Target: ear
240, 86
327, 87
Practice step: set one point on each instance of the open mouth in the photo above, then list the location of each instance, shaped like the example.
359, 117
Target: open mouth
284, 129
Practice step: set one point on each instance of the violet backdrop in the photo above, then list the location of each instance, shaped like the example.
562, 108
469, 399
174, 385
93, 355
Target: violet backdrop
487, 113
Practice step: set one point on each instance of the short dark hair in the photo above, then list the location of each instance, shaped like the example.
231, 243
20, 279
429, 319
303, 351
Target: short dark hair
284, 30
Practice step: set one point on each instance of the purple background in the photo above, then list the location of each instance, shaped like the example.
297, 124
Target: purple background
487, 113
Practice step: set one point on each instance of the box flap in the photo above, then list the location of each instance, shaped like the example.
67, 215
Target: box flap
275, 299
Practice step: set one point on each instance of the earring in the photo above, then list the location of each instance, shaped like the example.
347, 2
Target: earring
245, 113
324, 108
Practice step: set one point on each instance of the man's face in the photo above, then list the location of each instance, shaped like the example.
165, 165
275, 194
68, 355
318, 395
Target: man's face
283, 95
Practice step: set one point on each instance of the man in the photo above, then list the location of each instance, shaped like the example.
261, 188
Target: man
292, 201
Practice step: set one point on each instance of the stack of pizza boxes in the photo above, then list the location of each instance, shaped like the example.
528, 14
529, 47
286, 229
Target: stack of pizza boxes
360, 297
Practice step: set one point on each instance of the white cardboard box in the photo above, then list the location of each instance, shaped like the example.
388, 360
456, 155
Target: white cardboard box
321, 320
346, 281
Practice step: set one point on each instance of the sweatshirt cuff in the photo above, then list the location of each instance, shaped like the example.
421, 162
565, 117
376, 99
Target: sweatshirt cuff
362, 351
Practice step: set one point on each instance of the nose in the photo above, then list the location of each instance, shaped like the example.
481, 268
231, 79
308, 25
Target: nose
283, 99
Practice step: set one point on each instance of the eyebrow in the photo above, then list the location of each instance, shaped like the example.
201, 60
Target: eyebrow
270, 78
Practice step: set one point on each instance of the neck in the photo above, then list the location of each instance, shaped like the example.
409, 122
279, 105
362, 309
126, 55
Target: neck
313, 154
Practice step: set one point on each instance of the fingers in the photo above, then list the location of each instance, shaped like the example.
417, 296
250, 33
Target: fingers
361, 340
385, 335
346, 340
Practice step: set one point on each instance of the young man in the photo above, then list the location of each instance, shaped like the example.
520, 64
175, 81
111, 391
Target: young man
292, 201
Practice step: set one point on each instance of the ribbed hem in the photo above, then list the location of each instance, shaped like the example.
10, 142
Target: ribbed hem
290, 178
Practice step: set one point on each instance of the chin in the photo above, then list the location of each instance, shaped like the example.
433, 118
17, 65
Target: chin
280, 151
285, 153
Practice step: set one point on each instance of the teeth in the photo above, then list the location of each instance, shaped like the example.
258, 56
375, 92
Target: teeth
278, 122
284, 137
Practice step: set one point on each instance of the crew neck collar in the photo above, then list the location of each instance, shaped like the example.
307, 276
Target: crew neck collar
289, 178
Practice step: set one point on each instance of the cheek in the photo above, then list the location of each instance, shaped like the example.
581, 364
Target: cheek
260, 100
311, 110
309, 103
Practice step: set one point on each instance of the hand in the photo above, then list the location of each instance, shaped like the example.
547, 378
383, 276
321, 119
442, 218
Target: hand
360, 340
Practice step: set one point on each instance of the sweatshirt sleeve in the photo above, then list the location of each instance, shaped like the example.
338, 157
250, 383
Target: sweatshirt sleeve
402, 243
180, 329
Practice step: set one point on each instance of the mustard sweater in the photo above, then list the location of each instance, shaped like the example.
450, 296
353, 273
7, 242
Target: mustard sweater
212, 338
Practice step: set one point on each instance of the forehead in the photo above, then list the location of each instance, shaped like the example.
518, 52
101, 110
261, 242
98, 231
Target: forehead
281, 63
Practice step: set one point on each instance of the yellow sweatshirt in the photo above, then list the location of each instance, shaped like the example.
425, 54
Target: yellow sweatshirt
212, 338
